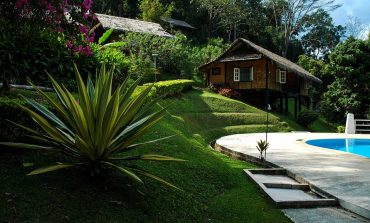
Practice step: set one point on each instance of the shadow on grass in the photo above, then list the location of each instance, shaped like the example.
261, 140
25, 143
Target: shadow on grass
207, 179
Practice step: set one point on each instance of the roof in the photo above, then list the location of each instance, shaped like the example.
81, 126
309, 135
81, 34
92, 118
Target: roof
132, 25
239, 56
178, 23
279, 60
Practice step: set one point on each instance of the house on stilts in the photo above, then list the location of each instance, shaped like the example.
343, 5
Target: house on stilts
260, 76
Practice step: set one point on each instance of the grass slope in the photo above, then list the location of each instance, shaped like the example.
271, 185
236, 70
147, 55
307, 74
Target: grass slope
214, 187
320, 125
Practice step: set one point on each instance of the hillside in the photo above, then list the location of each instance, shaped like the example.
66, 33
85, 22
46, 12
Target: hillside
214, 187
208, 116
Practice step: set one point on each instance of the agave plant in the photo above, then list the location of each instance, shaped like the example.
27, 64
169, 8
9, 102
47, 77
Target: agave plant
262, 146
97, 129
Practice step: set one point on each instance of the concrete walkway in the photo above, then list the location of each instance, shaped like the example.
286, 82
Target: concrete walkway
323, 215
342, 175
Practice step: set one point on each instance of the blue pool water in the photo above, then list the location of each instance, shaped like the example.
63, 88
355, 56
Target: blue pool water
357, 146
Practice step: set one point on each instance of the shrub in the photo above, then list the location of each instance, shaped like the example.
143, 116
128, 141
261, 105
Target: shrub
97, 130
112, 55
170, 88
142, 67
35, 49
30, 52
341, 129
307, 117
229, 93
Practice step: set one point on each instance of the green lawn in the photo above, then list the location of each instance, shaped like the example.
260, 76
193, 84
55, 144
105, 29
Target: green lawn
214, 186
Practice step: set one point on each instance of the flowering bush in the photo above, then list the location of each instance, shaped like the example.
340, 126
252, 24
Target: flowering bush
65, 16
229, 93
49, 35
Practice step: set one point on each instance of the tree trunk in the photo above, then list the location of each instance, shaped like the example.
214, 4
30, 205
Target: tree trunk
234, 32
286, 46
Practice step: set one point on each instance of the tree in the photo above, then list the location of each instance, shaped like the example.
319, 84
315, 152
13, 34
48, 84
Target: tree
354, 26
320, 69
213, 9
154, 10
350, 91
290, 16
232, 18
322, 35
111, 7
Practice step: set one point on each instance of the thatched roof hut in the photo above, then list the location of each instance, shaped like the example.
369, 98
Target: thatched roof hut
233, 55
176, 22
260, 76
121, 24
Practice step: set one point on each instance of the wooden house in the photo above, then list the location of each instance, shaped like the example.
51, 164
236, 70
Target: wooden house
262, 77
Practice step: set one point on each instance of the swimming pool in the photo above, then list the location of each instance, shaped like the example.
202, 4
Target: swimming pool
357, 146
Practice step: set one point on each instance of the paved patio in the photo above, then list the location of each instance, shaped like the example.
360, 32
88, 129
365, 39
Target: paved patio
342, 175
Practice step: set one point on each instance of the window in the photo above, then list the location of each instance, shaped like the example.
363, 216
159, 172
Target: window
216, 71
282, 77
236, 74
243, 74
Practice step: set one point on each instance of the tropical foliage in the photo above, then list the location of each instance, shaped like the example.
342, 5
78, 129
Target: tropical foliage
176, 58
349, 65
30, 52
262, 147
96, 129
154, 10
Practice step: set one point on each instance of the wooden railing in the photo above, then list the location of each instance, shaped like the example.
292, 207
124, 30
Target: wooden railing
362, 126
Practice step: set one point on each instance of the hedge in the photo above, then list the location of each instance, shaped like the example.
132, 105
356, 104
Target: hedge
170, 88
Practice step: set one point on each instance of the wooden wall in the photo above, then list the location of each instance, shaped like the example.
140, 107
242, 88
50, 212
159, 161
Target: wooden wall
259, 79
217, 79
295, 84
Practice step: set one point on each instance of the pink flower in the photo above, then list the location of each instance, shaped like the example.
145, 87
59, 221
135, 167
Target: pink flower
86, 51
69, 44
77, 49
87, 4
90, 39
19, 4
50, 7
84, 29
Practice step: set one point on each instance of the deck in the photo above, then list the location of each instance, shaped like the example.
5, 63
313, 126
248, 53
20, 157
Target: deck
344, 176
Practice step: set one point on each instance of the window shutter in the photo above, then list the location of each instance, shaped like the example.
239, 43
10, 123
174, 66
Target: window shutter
277, 75
236, 74
282, 77
252, 73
